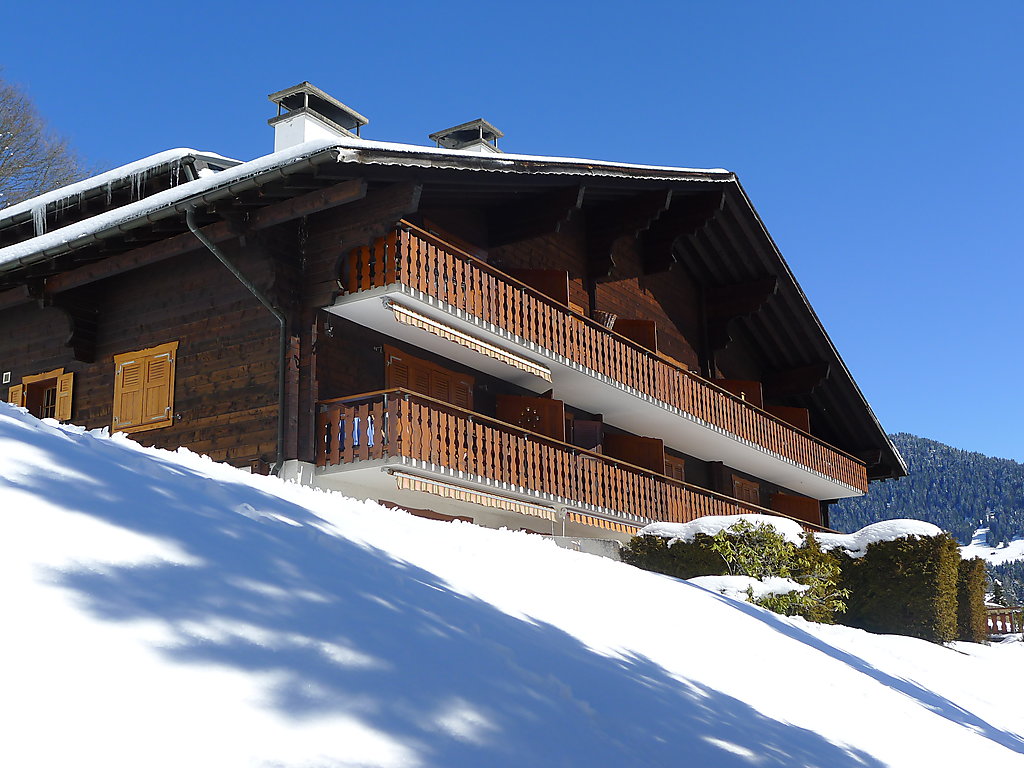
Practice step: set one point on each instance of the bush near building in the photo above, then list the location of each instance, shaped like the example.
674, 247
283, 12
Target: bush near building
914, 585
906, 586
972, 623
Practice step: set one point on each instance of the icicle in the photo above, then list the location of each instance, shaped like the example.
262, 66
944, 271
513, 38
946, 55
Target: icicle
39, 219
110, 191
175, 169
139, 179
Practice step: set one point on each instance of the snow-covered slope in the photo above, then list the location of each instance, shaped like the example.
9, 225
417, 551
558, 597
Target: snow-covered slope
163, 610
1014, 550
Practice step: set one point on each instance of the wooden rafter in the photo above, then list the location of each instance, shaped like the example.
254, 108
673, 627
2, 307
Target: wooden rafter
536, 216
608, 223
686, 215
794, 382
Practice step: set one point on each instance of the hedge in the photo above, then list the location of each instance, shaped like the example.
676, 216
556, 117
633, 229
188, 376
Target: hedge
907, 586
972, 621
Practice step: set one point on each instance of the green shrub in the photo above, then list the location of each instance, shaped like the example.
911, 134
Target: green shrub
684, 560
755, 550
972, 621
907, 586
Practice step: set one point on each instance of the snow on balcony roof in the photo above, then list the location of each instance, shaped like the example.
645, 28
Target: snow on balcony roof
356, 151
123, 173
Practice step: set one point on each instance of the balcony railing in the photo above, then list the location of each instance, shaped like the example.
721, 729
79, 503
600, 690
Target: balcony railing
402, 424
422, 262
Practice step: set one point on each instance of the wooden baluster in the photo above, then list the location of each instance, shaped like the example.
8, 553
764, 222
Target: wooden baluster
392, 256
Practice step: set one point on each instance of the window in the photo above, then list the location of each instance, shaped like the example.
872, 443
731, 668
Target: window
45, 395
144, 388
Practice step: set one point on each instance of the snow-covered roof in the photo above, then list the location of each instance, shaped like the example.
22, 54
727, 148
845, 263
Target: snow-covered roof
163, 204
131, 171
175, 200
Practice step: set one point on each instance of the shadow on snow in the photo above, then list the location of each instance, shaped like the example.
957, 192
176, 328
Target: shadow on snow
349, 629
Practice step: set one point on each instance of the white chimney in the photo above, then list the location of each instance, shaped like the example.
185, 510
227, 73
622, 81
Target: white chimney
304, 112
474, 136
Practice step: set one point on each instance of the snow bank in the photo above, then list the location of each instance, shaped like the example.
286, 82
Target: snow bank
790, 530
856, 544
736, 586
162, 610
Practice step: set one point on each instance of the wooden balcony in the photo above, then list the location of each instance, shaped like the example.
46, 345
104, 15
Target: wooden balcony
401, 429
583, 356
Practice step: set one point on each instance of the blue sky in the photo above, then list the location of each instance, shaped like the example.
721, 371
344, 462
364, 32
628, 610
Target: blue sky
880, 142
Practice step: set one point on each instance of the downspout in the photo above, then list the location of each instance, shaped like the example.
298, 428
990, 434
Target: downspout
282, 322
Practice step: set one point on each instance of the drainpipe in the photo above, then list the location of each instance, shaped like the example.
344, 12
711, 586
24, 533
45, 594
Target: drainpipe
282, 322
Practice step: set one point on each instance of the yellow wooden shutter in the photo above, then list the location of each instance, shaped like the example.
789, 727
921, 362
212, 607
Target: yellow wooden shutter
156, 388
65, 383
16, 395
128, 380
144, 388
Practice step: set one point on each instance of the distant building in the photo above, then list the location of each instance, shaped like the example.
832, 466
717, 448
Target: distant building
542, 343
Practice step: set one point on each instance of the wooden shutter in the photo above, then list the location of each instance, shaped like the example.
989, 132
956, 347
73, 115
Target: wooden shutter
588, 433
551, 282
643, 332
646, 452
156, 388
798, 417
16, 395
128, 379
408, 372
746, 490
144, 388
675, 468
440, 384
462, 392
537, 414
396, 372
799, 507
65, 383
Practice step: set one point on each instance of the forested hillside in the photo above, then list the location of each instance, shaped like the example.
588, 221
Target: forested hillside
957, 490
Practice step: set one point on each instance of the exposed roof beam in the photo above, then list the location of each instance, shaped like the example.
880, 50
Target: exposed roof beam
795, 382
536, 216
608, 222
687, 215
269, 216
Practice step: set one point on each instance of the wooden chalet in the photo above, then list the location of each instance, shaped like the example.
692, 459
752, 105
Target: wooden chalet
563, 346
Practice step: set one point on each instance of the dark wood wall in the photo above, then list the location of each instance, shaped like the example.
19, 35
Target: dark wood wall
225, 389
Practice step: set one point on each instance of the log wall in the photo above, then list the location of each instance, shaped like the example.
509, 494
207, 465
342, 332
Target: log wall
225, 389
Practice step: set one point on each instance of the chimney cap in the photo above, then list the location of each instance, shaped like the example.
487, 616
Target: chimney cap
467, 134
306, 97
